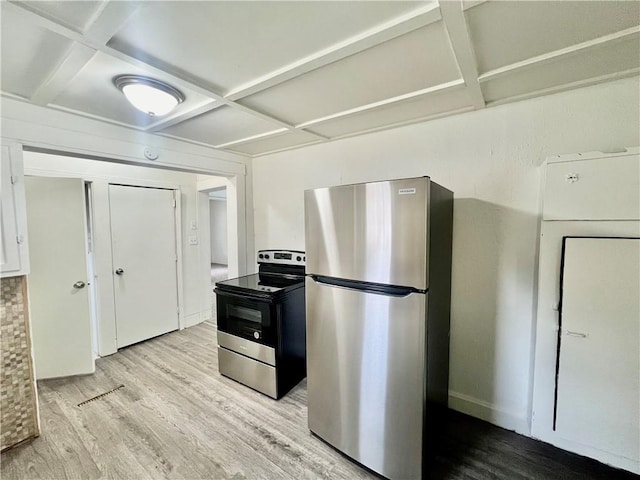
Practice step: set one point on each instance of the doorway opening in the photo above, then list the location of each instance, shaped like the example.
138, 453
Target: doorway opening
98, 323
91, 275
218, 237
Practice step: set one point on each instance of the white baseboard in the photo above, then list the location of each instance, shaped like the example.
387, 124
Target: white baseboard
196, 318
489, 412
552, 437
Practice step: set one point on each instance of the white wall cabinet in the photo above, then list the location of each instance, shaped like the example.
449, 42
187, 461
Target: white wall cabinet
604, 188
586, 398
14, 251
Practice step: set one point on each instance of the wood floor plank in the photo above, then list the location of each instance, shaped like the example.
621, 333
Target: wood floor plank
178, 418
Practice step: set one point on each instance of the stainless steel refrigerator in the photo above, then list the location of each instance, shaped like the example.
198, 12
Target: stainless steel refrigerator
378, 293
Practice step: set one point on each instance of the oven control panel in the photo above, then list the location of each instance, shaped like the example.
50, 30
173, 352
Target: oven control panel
282, 257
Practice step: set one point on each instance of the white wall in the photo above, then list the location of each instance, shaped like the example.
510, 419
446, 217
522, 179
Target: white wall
491, 160
218, 223
194, 286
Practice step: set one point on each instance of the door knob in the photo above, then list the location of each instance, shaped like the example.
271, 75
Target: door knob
79, 284
119, 271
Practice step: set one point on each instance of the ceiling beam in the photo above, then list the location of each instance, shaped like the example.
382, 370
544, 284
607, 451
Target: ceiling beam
369, 130
398, 26
469, 4
262, 154
456, 26
110, 20
272, 133
539, 60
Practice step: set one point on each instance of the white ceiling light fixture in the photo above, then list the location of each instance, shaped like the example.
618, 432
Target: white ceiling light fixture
153, 97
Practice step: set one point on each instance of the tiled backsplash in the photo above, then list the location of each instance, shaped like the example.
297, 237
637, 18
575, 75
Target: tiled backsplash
19, 420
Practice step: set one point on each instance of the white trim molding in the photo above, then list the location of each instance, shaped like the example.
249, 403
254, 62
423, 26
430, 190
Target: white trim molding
502, 417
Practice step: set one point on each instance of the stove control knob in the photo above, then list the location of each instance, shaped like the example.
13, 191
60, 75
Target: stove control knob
267, 256
261, 256
256, 335
298, 258
304, 259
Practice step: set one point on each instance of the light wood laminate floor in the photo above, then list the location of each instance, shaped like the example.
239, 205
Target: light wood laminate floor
178, 418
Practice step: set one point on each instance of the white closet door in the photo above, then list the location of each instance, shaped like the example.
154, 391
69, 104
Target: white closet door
58, 295
598, 402
144, 262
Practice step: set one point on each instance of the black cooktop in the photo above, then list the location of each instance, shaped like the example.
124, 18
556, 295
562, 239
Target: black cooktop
262, 282
279, 271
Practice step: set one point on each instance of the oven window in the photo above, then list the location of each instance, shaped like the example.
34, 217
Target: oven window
246, 317
244, 313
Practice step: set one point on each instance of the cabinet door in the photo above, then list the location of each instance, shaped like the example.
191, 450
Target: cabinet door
598, 386
10, 250
596, 189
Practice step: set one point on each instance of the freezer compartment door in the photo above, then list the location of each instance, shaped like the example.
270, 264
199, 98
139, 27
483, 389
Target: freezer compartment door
366, 375
373, 232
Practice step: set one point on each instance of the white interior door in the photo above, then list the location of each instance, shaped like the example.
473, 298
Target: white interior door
58, 295
598, 400
144, 262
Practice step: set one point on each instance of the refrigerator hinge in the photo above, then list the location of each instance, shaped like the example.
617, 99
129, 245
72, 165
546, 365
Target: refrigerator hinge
14, 179
19, 239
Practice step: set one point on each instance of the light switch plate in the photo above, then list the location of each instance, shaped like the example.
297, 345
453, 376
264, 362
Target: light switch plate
193, 240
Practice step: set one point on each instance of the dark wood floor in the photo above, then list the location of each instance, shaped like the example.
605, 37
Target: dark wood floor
473, 449
177, 418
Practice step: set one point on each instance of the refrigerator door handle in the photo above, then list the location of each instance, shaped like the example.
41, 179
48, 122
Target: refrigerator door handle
367, 287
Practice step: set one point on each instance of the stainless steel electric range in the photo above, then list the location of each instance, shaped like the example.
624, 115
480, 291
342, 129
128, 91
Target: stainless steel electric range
261, 324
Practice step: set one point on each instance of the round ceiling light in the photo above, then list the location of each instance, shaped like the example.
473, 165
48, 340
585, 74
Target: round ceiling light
153, 97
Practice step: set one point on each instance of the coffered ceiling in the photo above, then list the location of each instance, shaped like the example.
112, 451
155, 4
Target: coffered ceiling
265, 76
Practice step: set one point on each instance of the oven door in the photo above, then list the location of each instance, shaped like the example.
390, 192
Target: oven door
247, 317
